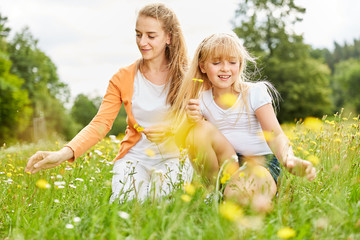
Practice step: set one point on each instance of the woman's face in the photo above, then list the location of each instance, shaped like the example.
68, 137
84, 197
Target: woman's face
151, 39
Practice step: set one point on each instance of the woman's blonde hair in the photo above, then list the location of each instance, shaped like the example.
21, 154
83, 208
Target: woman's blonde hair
216, 46
176, 51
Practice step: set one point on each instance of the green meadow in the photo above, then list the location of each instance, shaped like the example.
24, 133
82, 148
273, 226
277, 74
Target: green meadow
71, 201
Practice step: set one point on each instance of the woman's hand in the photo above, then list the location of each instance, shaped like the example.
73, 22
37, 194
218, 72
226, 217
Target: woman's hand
157, 133
300, 167
193, 111
48, 159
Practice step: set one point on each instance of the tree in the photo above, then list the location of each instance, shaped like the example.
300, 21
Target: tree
4, 32
46, 92
346, 84
303, 82
15, 110
84, 109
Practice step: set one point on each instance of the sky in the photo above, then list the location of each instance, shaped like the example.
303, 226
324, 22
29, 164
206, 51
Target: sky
89, 40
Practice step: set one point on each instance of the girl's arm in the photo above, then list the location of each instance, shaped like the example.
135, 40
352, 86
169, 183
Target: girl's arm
280, 144
193, 116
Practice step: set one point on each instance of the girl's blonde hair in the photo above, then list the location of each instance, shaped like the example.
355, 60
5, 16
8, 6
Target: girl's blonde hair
216, 46
176, 51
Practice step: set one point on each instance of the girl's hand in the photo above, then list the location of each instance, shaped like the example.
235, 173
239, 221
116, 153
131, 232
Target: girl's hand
193, 111
48, 159
157, 133
300, 167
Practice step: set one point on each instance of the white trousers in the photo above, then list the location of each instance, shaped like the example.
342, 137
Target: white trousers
134, 179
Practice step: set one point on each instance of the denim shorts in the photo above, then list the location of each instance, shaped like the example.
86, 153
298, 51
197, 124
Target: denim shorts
271, 163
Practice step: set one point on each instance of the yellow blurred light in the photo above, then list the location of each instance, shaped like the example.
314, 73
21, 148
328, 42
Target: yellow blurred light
286, 233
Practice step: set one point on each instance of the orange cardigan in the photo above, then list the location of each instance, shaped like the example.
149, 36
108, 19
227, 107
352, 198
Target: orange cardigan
120, 90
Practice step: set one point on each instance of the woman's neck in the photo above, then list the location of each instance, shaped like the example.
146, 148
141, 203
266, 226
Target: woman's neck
156, 70
154, 65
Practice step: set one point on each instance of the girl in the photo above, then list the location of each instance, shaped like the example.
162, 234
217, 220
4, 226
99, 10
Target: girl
147, 89
239, 115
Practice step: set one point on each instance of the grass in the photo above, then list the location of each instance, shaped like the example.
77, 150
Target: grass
327, 208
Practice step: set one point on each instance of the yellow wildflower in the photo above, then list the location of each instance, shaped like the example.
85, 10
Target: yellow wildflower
355, 118
225, 178
8, 174
313, 159
313, 123
189, 188
185, 198
150, 152
306, 153
337, 140
286, 233
42, 183
228, 99
230, 211
241, 174
313, 142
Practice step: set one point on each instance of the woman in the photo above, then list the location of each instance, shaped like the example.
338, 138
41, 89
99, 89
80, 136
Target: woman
147, 155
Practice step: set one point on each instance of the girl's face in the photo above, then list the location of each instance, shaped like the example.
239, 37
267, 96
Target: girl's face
151, 39
222, 73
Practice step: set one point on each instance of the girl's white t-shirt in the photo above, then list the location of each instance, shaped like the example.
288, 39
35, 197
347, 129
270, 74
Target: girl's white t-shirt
149, 108
243, 130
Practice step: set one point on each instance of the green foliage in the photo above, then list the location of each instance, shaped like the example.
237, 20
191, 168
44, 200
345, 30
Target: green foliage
15, 111
4, 32
346, 84
284, 59
304, 86
84, 109
46, 92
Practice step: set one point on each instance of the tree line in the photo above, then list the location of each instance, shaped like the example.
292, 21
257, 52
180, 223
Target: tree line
311, 82
32, 97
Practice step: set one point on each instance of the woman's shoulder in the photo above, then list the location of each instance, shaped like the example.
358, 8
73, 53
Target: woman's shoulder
126, 72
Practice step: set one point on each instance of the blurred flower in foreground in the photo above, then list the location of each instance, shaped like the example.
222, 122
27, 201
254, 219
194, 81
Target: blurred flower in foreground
228, 99
230, 211
266, 135
123, 215
286, 233
150, 152
313, 123
185, 198
77, 219
259, 171
189, 188
69, 226
43, 184
313, 159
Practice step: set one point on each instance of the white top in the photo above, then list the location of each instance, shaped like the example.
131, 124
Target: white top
242, 130
149, 108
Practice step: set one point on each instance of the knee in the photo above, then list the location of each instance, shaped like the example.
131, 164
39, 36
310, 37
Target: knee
202, 132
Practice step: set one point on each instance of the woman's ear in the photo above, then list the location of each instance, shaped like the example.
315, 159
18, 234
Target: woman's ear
168, 40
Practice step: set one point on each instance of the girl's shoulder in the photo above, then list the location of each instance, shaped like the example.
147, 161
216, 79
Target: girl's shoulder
255, 88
